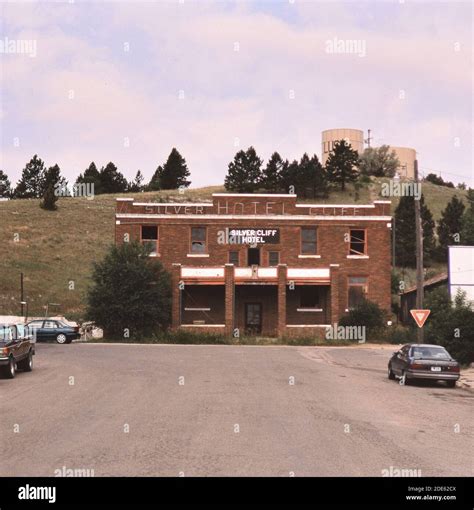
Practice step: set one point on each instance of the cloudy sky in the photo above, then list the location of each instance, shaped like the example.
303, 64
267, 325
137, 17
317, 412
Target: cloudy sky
127, 81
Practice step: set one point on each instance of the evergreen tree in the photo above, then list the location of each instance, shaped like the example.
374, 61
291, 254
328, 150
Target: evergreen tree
378, 161
53, 177
449, 226
271, 175
155, 182
244, 172
49, 198
111, 180
5, 186
91, 176
136, 185
31, 182
130, 292
467, 223
341, 165
405, 240
311, 178
290, 177
175, 172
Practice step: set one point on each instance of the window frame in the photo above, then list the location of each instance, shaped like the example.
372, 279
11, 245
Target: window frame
316, 306
238, 257
268, 258
364, 254
157, 240
349, 285
191, 251
316, 240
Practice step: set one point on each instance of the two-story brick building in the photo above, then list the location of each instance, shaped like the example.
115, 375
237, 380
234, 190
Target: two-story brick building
264, 263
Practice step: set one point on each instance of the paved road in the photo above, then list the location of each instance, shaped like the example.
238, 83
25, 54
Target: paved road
341, 417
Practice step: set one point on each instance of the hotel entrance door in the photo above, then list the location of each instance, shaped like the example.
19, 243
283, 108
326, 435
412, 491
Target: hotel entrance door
253, 318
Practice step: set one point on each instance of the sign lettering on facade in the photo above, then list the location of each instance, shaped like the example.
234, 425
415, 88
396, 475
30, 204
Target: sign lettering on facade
253, 235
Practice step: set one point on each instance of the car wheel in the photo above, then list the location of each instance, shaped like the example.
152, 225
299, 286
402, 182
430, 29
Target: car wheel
9, 371
61, 338
27, 363
391, 375
451, 384
403, 379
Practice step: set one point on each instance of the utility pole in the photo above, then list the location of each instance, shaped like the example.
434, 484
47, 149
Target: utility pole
21, 294
419, 254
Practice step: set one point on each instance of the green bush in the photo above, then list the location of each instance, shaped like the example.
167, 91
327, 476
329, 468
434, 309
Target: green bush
400, 335
369, 315
451, 324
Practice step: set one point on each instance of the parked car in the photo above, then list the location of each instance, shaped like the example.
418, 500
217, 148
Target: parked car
423, 361
52, 329
17, 348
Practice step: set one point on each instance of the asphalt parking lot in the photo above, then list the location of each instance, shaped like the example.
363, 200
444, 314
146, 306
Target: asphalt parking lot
170, 410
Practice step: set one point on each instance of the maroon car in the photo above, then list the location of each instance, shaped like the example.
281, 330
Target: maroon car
17, 348
423, 361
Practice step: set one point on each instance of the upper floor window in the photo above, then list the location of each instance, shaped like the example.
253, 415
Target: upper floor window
234, 258
198, 239
308, 241
358, 242
273, 258
150, 238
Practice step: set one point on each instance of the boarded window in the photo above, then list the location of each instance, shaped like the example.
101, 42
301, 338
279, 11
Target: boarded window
234, 258
198, 239
273, 258
358, 242
150, 238
308, 241
357, 290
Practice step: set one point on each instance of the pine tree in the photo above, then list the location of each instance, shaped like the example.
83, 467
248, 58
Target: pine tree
92, 177
244, 173
53, 177
405, 233
155, 182
378, 161
449, 226
271, 175
111, 180
5, 186
467, 228
49, 198
31, 182
311, 178
341, 165
289, 177
136, 185
175, 172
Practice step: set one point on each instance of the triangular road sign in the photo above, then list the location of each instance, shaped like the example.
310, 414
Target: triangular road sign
420, 316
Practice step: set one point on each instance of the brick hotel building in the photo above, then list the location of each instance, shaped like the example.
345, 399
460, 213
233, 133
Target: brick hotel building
264, 263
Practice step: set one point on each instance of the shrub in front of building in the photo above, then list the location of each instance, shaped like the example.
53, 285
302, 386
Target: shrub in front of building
369, 315
131, 293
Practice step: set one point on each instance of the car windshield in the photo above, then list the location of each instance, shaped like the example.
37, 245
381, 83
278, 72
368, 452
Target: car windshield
430, 353
7, 333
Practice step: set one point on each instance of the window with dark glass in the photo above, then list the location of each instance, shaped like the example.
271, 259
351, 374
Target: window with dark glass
198, 239
357, 242
309, 296
308, 241
273, 258
234, 258
150, 238
357, 290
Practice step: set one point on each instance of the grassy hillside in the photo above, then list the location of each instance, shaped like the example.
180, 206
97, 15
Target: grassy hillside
56, 248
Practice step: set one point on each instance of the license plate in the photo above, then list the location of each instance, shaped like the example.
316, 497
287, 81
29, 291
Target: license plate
436, 369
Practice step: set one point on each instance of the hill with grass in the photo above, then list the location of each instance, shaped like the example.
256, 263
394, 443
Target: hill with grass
56, 249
